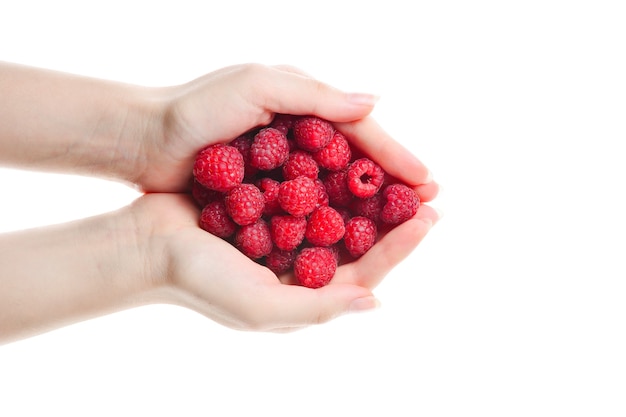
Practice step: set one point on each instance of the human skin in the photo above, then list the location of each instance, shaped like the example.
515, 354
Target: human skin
153, 250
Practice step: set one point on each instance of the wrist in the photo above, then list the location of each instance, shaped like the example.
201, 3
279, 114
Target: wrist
125, 151
62, 122
136, 255
60, 274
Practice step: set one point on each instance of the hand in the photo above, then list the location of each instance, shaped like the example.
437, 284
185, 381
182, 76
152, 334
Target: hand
226, 103
207, 274
150, 136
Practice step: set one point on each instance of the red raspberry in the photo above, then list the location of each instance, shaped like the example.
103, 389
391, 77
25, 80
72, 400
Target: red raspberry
336, 155
243, 144
345, 213
254, 239
215, 219
400, 204
269, 188
202, 195
360, 235
325, 227
309, 209
219, 167
287, 231
244, 204
269, 149
368, 207
336, 250
283, 122
298, 197
322, 195
312, 133
280, 261
336, 185
300, 163
365, 177
314, 267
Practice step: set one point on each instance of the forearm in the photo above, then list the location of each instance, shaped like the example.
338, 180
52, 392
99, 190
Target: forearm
58, 275
61, 122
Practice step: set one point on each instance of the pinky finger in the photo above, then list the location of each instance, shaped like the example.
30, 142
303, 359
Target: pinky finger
369, 270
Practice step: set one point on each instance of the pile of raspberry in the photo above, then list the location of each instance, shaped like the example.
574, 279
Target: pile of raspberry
294, 196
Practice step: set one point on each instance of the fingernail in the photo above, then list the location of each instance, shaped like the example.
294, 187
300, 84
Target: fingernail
363, 99
364, 304
429, 177
428, 222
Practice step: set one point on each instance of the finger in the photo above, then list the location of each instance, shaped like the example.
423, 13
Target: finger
394, 158
289, 307
294, 70
393, 247
290, 91
427, 192
370, 138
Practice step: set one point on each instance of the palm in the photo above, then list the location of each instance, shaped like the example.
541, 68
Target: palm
212, 277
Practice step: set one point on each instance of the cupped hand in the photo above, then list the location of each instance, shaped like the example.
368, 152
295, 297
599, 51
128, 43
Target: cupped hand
221, 105
207, 274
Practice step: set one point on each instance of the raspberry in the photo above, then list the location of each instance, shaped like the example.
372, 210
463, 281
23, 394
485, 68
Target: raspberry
368, 207
287, 231
298, 197
325, 226
202, 195
360, 235
300, 163
269, 149
336, 185
280, 261
336, 251
314, 267
345, 213
312, 133
365, 177
215, 219
293, 195
322, 195
283, 122
219, 167
254, 239
244, 204
269, 188
243, 144
400, 204
335, 155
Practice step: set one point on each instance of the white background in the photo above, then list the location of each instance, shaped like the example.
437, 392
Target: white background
515, 303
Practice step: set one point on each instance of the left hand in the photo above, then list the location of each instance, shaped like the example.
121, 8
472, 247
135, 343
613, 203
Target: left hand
223, 104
